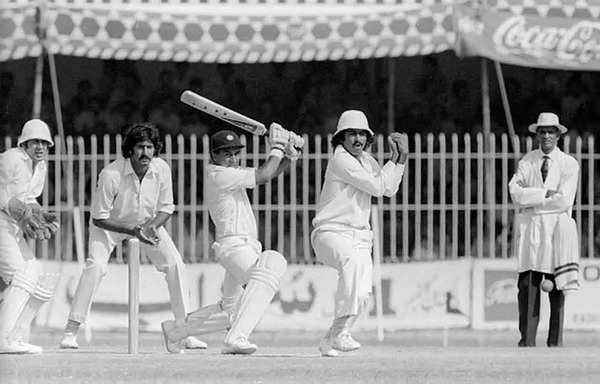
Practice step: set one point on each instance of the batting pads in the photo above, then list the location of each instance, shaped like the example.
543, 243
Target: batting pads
22, 286
263, 283
208, 319
43, 292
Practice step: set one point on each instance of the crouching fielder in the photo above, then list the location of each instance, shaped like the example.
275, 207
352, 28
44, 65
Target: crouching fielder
342, 237
134, 199
22, 176
251, 275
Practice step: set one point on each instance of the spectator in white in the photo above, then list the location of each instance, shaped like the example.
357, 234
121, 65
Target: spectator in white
545, 236
22, 176
342, 238
134, 198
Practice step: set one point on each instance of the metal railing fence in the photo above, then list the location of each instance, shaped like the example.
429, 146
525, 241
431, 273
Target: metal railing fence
453, 201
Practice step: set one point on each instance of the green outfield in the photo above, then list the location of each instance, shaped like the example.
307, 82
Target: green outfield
433, 356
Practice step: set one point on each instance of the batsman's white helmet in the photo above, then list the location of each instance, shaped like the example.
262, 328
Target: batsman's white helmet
35, 129
353, 119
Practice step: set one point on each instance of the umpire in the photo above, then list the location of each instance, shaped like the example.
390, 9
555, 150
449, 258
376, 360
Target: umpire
545, 235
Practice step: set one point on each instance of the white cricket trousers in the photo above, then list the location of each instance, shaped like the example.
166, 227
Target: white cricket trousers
349, 252
163, 256
237, 254
14, 250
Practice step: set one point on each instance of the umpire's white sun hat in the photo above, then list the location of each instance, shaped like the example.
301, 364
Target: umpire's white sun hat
352, 119
547, 119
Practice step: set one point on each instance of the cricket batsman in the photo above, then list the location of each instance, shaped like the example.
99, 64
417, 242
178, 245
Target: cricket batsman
252, 275
342, 236
134, 199
22, 176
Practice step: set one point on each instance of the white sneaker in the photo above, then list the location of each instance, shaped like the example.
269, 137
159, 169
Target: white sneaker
327, 349
344, 342
13, 348
69, 341
171, 346
31, 349
239, 347
191, 342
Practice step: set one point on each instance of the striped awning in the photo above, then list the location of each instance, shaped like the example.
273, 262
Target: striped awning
234, 31
248, 31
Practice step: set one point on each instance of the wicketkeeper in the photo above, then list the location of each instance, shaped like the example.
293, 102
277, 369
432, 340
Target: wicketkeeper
22, 176
342, 237
134, 199
252, 275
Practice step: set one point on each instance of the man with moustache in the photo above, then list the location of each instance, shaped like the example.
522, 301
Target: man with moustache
23, 171
342, 238
133, 199
545, 235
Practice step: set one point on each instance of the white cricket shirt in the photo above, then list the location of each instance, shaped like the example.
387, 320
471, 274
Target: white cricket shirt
228, 202
18, 179
345, 201
121, 196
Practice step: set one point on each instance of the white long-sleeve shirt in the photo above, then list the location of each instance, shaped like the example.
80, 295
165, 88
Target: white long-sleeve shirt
536, 222
345, 201
228, 202
121, 196
19, 179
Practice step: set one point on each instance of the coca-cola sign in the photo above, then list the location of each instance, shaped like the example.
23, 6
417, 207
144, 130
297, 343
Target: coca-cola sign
578, 42
546, 42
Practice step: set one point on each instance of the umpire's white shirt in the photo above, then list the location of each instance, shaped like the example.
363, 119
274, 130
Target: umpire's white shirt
121, 196
536, 222
228, 201
18, 179
345, 201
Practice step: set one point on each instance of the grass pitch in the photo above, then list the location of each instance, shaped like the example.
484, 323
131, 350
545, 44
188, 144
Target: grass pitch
459, 356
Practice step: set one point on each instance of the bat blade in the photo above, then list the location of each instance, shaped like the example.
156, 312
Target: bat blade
221, 112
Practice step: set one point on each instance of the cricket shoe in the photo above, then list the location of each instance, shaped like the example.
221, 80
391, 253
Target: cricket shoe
344, 342
191, 342
69, 341
168, 328
31, 349
326, 348
13, 348
239, 346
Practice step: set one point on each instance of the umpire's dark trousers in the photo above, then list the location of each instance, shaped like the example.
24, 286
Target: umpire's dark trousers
529, 309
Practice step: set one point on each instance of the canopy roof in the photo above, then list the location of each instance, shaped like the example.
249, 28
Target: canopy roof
229, 30
239, 31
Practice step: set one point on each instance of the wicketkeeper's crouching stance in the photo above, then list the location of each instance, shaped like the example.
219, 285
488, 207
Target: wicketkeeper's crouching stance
342, 237
252, 275
22, 176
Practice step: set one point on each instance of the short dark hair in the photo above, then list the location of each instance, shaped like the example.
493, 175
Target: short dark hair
140, 132
338, 139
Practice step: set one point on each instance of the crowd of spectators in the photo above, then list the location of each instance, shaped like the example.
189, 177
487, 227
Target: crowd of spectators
307, 97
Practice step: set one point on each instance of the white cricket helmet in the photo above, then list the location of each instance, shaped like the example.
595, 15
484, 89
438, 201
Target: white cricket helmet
353, 119
35, 129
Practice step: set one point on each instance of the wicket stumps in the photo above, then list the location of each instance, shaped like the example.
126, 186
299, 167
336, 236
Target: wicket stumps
133, 261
